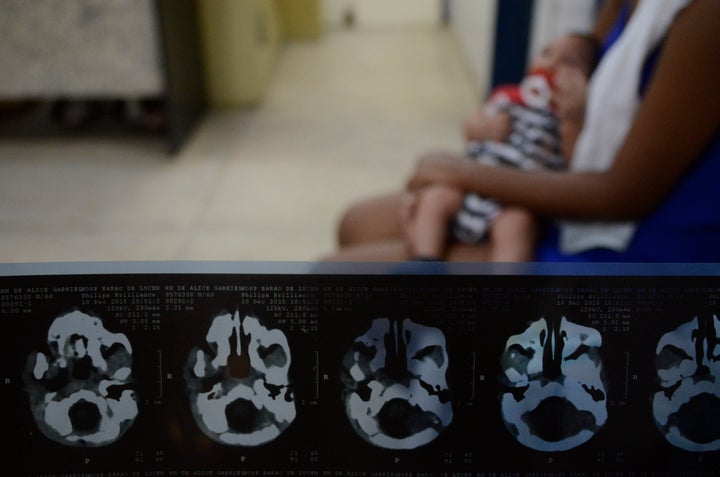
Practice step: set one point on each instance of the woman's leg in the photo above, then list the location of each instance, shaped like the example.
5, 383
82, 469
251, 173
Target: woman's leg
461, 252
395, 250
372, 220
390, 250
370, 231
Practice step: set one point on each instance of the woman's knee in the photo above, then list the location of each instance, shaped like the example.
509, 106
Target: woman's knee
350, 226
370, 220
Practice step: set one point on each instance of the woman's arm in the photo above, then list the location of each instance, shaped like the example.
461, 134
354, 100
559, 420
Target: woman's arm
677, 119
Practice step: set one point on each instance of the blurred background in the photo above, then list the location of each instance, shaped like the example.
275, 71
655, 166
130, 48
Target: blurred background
235, 129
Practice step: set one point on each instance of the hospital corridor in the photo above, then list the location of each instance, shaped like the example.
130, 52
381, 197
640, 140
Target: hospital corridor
343, 116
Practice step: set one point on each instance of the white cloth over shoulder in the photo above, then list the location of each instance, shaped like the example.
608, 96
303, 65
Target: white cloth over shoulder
612, 102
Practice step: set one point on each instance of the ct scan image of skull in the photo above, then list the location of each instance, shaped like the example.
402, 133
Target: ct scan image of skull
554, 396
81, 393
687, 406
239, 386
395, 387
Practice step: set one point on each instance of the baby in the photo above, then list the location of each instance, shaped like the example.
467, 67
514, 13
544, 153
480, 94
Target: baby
517, 127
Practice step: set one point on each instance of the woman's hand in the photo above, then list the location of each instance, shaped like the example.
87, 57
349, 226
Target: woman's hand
437, 167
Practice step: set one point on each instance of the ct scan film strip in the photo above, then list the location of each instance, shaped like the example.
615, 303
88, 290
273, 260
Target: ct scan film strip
252, 373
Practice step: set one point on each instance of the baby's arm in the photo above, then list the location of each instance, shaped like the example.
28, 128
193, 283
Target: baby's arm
488, 124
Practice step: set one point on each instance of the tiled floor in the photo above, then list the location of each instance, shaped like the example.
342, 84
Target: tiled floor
344, 117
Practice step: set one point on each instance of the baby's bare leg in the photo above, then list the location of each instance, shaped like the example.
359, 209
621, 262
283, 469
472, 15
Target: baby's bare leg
513, 235
427, 234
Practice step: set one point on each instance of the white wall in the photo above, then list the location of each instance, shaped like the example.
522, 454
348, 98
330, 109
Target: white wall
382, 13
473, 23
553, 18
